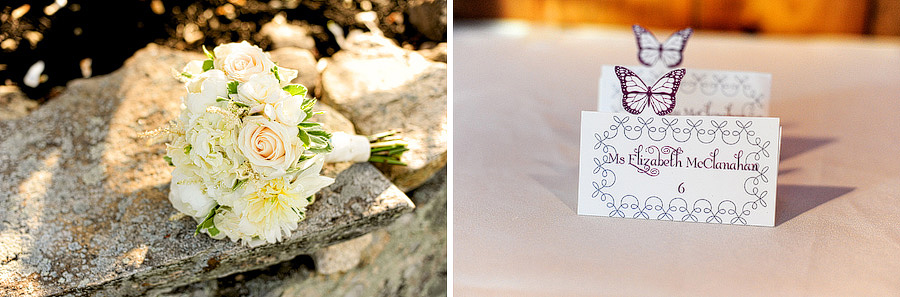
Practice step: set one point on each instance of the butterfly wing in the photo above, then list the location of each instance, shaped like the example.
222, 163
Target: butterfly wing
634, 91
673, 48
662, 93
648, 46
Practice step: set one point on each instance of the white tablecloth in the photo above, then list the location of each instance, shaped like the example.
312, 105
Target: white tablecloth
517, 95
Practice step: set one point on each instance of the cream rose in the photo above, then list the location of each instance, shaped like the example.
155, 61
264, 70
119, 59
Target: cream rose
270, 147
204, 89
288, 110
241, 60
260, 88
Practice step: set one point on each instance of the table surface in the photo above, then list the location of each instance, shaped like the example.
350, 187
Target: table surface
518, 91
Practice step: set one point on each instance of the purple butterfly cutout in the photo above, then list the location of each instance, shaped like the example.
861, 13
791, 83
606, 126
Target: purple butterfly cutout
636, 95
650, 50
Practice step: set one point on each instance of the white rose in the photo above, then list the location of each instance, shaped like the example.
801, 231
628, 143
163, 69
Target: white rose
204, 89
269, 146
241, 60
287, 110
287, 75
193, 68
260, 88
187, 196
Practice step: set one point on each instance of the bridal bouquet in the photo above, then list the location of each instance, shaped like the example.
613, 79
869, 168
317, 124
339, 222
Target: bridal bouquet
247, 157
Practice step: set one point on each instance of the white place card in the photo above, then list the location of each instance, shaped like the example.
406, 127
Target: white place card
702, 92
679, 168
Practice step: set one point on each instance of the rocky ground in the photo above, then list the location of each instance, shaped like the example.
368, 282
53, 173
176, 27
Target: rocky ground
79, 192
408, 258
71, 36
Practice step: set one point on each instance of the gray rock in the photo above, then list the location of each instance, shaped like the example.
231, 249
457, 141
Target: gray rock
288, 34
83, 201
341, 257
438, 53
301, 60
14, 104
408, 258
332, 119
429, 17
381, 86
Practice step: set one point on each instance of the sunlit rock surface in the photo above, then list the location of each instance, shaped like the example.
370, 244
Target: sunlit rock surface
83, 200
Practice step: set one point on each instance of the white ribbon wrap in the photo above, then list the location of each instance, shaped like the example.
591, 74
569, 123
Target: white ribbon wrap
348, 148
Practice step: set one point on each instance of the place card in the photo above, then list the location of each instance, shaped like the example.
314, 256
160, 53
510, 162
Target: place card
702, 92
679, 168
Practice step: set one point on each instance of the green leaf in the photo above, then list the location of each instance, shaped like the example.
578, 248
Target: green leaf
320, 145
213, 231
187, 149
185, 74
275, 71
296, 90
232, 87
209, 54
322, 150
304, 137
238, 183
318, 141
308, 104
208, 221
169, 160
208, 65
308, 125
221, 99
320, 133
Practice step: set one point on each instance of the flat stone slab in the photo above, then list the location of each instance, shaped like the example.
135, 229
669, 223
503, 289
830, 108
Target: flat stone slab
407, 258
83, 201
380, 86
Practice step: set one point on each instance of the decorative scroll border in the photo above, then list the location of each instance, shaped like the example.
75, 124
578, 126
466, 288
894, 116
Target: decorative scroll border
679, 208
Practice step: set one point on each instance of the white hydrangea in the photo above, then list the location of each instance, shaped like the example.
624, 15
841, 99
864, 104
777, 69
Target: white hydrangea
208, 150
187, 196
203, 89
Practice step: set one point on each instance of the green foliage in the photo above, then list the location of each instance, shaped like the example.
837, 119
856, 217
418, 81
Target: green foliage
296, 90
208, 65
232, 87
307, 107
238, 184
275, 71
304, 137
208, 223
209, 54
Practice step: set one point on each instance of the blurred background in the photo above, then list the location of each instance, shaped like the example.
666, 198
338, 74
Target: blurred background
870, 17
80, 38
